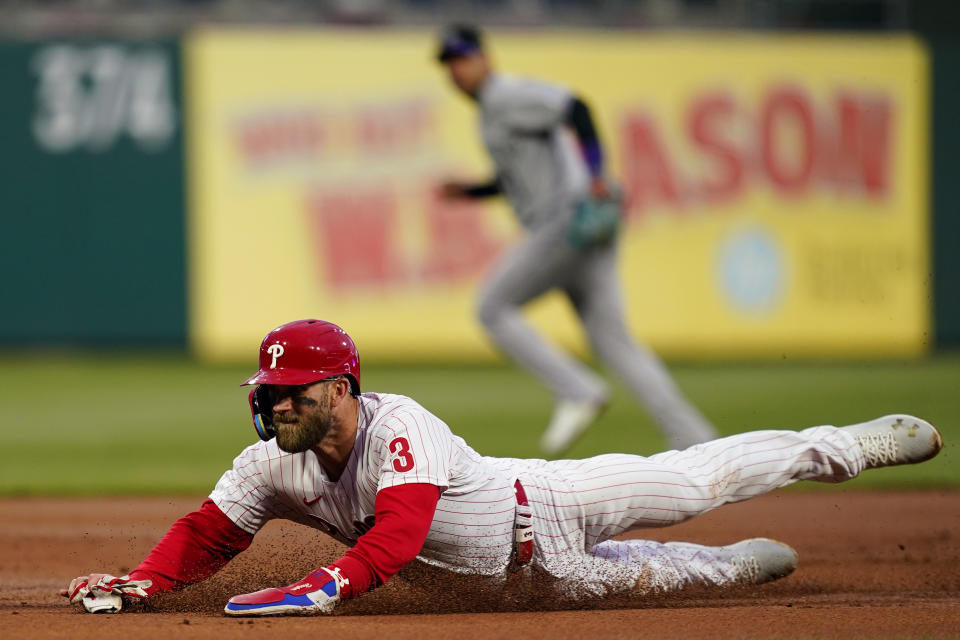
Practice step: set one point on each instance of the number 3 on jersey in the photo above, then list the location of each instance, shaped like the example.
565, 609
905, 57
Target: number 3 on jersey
404, 457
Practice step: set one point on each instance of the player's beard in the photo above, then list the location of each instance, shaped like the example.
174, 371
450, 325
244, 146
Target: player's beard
297, 435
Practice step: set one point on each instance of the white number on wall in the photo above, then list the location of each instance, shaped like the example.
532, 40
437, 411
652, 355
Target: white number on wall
88, 97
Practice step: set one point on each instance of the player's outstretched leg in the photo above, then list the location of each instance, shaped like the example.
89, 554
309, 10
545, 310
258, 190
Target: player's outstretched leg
647, 567
634, 492
896, 439
754, 561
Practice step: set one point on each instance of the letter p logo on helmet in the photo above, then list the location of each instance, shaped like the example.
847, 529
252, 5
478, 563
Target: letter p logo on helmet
275, 350
305, 351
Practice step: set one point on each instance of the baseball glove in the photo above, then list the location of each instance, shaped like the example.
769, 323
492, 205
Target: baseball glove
595, 221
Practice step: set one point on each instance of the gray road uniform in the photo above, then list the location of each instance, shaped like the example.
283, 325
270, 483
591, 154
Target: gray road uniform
541, 171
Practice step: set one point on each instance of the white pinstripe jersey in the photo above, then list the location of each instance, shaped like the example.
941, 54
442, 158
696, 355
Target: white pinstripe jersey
577, 504
398, 442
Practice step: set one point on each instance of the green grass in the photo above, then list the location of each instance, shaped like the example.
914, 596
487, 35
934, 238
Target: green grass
152, 423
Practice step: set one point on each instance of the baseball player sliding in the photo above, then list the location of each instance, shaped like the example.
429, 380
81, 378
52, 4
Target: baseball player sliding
385, 476
558, 190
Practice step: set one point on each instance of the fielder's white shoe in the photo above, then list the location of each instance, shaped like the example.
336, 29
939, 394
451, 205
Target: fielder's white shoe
570, 419
756, 560
896, 439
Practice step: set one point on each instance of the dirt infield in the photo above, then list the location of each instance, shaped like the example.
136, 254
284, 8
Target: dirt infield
871, 566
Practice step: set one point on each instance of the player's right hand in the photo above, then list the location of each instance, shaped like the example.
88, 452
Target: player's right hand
81, 585
452, 190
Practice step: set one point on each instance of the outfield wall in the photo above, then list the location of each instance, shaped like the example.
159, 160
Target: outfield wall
778, 188
946, 190
91, 159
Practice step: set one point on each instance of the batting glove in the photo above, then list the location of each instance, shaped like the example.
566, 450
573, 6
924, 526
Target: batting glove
318, 593
89, 591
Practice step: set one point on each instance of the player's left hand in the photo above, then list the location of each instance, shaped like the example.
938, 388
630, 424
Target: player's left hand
318, 593
596, 219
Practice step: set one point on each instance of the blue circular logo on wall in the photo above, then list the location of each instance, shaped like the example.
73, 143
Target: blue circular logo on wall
751, 270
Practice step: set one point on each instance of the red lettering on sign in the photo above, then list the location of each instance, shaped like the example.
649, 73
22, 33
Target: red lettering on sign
787, 139
279, 135
710, 126
359, 244
648, 175
393, 127
788, 142
355, 237
460, 245
859, 155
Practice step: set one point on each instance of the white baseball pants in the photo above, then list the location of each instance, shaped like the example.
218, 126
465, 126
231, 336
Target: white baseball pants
580, 504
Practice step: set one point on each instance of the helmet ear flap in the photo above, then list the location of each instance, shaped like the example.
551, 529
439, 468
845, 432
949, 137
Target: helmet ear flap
261, 408
354, 385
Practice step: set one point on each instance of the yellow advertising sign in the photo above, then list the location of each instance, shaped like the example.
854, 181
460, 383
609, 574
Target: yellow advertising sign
777, 190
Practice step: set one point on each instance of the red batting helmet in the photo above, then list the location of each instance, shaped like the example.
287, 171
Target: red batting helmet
306, 351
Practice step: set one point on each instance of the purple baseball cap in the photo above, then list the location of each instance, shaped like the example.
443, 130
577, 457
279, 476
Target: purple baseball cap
459, 41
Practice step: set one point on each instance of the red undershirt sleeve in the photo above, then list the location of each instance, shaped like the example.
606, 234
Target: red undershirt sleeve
403, 517
203, 542
196, 546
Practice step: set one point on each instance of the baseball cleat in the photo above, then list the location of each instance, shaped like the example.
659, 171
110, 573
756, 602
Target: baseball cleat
570, 419
754, 561
316, 594
896, 439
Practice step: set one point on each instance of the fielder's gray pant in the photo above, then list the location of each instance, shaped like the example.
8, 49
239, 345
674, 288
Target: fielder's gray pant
543, 261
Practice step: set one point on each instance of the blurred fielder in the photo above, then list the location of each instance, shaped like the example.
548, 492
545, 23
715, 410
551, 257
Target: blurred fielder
561, 197
386, 477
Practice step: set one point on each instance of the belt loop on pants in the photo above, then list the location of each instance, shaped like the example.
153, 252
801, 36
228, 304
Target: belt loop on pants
523, 527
